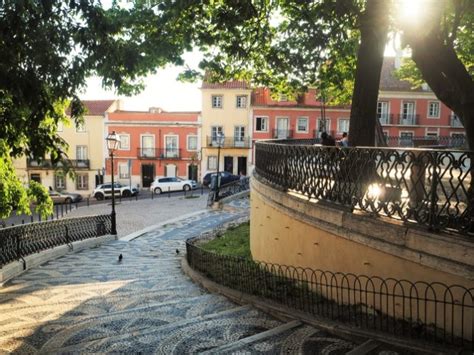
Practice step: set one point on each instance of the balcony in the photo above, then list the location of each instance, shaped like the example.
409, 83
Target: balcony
282, 133
385, 118
408, 119
317, 133
455, 121
48, 164
159, 153
233, 142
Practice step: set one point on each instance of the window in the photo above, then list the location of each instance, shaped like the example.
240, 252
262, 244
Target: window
241, 101
36, 177
192, 143
432, 134
82, 182
124, 171
324, 125
81, 152
343, 125
302, 124
212, 162
124, 142
408, 109
171, 147
406, 139
148, 146
382, 112
239, 135
59, 182
433, 109
216, 101
60, 126
81, 127
261, 124
283, 97
215, 131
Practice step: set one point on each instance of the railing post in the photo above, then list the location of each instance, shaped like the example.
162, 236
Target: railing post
434, 193
67, 234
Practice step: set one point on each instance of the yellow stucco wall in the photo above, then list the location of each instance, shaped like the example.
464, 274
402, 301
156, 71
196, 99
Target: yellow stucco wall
228, 117
279, 237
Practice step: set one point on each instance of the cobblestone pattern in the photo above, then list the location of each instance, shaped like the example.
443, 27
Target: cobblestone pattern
90, 302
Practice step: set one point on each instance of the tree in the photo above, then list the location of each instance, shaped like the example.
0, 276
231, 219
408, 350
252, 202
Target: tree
48, 49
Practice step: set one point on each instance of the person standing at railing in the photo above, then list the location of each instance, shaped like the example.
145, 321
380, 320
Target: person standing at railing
327, 140
344, 142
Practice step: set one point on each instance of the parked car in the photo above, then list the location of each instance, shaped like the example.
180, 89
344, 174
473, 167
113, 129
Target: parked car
105, 191
64, 197
165, 184
226, 177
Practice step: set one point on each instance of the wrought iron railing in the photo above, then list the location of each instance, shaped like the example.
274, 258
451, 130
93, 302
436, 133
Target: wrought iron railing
48, 164
447, 141
455, 121
431, 311
22, 240
385, 118
408, 119
234, 142
229, 189
428, 187
282, 133
158, 153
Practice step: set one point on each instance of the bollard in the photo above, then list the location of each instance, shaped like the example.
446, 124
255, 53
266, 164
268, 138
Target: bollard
62, 211
22, 221
31, 217
169, 192
185, 193
202, 190
57, 211
152, 193
88, 202
39, 218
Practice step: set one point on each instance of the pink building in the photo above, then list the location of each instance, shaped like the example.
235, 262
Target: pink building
155, 144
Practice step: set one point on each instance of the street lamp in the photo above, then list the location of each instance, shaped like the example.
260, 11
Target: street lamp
112, 144
220, 142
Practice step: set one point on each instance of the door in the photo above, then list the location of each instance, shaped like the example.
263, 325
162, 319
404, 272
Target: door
148, 146
242, 165
170, 170
148, 172
171, 147
239, 136
282, 128
192, 172
229, 164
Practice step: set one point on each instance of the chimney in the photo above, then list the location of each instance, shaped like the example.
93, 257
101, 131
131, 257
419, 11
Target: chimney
398, 58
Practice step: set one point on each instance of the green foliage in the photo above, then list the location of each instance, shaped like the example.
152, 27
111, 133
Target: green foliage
39, 196
235, 242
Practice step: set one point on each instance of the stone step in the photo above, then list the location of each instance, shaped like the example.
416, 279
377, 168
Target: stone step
74, 327
187, 336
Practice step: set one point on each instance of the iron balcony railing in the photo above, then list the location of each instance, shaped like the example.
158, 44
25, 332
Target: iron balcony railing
445, 141
427, 187
159, 153
317, 133
434, 312
22, 240
282, 133
409, 119
385, 118
230, 142
48, 164
455, 121
229, 189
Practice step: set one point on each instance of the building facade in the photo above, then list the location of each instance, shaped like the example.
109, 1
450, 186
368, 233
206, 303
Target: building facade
226, 109
154, 144
85, 152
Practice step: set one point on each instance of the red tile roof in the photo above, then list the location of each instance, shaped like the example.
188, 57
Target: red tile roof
97, 107
388, 80
235, 84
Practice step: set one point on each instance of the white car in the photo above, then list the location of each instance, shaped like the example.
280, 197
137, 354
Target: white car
105, 191
166, 184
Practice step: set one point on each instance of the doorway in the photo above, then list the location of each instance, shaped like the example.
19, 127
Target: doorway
242, 165
148, 174
229, 164
282, 128
192, 172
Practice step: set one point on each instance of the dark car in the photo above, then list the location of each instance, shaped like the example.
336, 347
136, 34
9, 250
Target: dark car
225, 178
64, 197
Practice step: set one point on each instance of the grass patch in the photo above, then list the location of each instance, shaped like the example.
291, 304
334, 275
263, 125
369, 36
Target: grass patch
234, 242
191, 196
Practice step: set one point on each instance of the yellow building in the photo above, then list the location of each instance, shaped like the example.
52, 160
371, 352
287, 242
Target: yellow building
226, 110
86, 153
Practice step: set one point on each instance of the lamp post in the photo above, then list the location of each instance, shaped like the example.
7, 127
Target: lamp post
220, 142
112, 144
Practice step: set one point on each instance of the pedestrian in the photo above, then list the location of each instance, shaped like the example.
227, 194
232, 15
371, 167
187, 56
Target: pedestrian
327, 140
344, 142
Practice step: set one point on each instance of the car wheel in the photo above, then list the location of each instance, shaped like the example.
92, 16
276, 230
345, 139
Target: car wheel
99, 197
186, 187
127, 193
68, 200
157, 191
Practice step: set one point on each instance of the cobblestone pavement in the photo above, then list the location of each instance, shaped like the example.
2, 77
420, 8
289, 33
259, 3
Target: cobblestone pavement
90, 302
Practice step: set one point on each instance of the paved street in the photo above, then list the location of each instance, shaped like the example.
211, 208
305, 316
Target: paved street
90, 302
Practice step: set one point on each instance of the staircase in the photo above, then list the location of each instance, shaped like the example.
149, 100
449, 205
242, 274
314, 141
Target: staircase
90, 302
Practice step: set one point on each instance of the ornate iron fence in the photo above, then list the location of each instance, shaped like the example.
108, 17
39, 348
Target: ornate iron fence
428, 187
431, 311
229, 189
19, 241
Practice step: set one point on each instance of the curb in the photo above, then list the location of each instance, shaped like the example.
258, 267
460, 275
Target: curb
286, 314
137, 234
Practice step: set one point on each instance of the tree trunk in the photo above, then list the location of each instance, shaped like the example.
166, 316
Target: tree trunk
373, 28
446, 75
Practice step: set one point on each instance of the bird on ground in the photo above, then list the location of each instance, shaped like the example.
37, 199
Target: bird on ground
120, 258
177, 251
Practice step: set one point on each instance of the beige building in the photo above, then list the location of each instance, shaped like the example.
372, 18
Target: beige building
86, 153
226, 109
